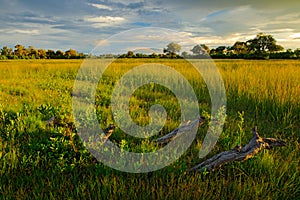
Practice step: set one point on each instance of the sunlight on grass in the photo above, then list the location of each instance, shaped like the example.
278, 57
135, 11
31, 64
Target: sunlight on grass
43, 161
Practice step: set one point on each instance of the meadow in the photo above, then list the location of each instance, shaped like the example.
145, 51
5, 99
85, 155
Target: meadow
38, 161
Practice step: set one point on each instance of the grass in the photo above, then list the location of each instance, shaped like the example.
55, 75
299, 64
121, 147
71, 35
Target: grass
43, 162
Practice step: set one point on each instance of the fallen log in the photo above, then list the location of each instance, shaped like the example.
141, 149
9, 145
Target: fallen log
183, 128
239, 153
109, 130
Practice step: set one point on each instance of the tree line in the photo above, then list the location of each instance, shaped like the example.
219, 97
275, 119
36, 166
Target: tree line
263, 46
21, 52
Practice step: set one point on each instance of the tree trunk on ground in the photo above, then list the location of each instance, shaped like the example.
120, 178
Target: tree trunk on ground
185, 127
238, 153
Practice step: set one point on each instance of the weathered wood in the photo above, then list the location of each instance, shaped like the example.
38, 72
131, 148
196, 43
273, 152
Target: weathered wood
239, 153
185, 127
109, 130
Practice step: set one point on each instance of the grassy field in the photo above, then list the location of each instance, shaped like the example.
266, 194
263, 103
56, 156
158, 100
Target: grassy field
40, 162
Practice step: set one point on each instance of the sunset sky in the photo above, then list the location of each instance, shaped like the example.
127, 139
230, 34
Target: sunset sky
80, 24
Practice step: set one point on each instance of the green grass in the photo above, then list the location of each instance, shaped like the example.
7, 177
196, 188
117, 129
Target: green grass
43, 162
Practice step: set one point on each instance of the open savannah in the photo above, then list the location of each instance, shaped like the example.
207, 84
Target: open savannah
49, 161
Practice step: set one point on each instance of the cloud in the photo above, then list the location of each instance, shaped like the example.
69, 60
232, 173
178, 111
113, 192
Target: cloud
221, 4
104, 21
29, 32
25, 17
136, 5
60, 23
100, 6
295, 36
228, 21
125, 2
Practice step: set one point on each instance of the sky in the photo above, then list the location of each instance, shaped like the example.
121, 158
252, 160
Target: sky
85, 24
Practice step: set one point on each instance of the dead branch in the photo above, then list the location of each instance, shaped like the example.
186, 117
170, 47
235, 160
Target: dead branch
109, 130
238, 153
185, 127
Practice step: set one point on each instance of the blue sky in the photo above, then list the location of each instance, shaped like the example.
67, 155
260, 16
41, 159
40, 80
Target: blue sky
81, 24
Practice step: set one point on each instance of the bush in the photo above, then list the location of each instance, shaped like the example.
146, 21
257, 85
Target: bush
14, 57
2, 57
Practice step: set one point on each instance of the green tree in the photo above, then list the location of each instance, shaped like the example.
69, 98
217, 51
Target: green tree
42, 53
173, 48
71, 53
130, 54
263, 44
297, 52
276, 48
6, 51
154, 55
19, 50
81, 55
221, 50
32, 52
59, 54
239, 48
51, 54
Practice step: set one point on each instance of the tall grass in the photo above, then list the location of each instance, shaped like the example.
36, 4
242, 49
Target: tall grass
41, 162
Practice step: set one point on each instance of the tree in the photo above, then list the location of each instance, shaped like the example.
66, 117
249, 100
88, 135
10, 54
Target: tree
154, 55
263, 44
173, 48
240, 48
185, 54
201, 49
5, 51
81, 55
50, 54
42, 53
130, 54
297, 52
71, 53
32, 52
221, 50
276, 48
59, 54
19, 51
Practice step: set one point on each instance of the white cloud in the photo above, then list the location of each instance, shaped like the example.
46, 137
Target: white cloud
282, 30
228, 40
204, 21
105, 21
100, 6
27, 32
126, 2
295, 36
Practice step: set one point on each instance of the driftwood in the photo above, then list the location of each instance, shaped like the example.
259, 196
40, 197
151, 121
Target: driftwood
238, 153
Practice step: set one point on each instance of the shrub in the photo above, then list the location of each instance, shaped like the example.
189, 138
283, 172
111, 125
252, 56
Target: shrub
3, 57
